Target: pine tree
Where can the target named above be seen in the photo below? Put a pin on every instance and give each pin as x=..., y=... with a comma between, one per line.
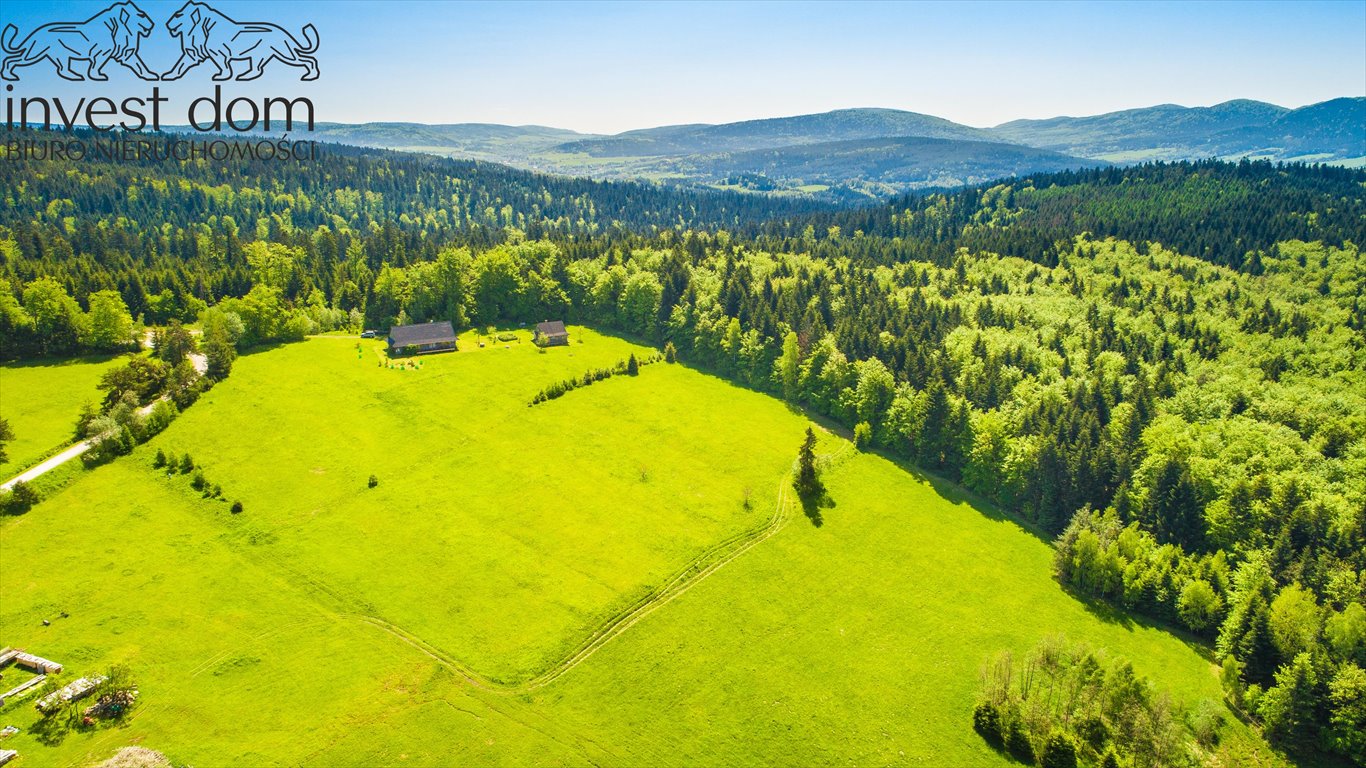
x=1174, y=510
x=934, y=434
x=1059, y=752
x=808, y=479
x=220, y=353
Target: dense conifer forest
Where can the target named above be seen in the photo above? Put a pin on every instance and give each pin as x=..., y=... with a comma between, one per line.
x=1162, y=366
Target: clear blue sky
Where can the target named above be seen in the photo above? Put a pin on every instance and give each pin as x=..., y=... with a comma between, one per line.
x=607, y=67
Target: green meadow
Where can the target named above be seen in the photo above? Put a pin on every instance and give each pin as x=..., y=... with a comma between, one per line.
x=41, y=400
x=614, y=577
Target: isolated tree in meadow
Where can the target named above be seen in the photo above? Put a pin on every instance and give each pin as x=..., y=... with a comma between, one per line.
x=670, y=353
x=808, y=479
x=632, y=367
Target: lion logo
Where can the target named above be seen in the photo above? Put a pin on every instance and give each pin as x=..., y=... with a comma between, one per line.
x=113, y=34
x=208, y=35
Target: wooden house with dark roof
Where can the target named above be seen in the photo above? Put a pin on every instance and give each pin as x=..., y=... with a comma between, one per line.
x=422, y=339
x=551, y=334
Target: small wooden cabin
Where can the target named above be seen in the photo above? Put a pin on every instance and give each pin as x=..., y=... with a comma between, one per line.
x=551, y=333
x=422, y=339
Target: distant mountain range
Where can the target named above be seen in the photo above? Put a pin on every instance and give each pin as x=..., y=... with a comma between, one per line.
x=840, y=125
x=873, y=152
x=1331, y=131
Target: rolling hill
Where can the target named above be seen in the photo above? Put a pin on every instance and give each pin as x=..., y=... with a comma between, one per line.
x=1328, y=131
x=852, y=154
x=893, y=164
x=839, y=125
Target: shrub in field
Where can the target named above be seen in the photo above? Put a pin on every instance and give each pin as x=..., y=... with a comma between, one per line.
x=19, y=499
x=1018, y=744
x=236, y=507
x=374, y=481
x=631, y=366
x=986, y=720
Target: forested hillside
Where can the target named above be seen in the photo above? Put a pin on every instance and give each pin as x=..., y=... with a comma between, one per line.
x=144, y=228
x=1165, y=366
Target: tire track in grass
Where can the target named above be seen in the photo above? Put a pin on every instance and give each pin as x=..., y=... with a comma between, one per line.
x=216, y=658
x=690, y=576
x=699, y=568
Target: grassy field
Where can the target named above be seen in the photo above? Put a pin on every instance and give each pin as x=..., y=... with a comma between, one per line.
x=41, y=401
x=425, y=621
x=532, y=524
